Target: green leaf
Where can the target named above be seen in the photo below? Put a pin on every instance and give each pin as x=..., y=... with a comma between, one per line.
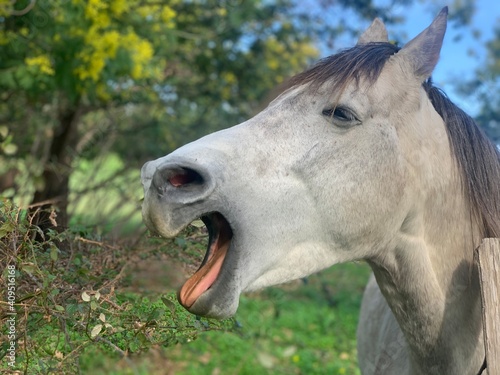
x=142, y=338
x=181, y=241
x=85, y=297
x=169, y=304
x=133, y=346
x=7, y=228
x=28, y=268
x=156, y=314
x=54, y=252
x=71, y=309
x=24, y=79
x=7, y=79
x=4, y=131
x=9, y=149
x=95, y=331
x=198, y=224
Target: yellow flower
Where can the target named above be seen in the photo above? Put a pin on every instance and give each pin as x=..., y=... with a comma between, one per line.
x=118, y=7
x=96, y=65
x=95, y=8
x=147, y=11
x=42, y=62
x=229, y=77
x=141, y=52
x=110, y=42
x=102, y=20
x=222, y=12
x=6, y=7
x=102, y=45
x=167, y=16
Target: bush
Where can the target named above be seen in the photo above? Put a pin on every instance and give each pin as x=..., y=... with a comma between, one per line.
x=67, y=303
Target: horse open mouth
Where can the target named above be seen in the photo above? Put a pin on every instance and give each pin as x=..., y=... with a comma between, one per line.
x=219, y=240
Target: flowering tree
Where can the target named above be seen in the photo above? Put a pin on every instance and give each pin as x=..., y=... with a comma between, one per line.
x=65, y=60
x=62, y=59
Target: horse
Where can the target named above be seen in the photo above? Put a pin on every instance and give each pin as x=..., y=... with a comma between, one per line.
x=361, y=158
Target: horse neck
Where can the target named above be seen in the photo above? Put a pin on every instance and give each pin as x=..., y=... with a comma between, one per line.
x=430, y=282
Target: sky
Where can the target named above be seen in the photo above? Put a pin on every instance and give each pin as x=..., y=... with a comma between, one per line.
x=456, y=63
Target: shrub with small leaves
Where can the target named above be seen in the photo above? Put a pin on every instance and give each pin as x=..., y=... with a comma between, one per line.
x=69, y=301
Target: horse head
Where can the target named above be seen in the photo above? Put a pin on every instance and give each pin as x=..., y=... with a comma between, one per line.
x=327, y=173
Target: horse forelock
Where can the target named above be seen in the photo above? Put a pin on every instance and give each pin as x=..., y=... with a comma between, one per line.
x=353, y=64
x=478, y=159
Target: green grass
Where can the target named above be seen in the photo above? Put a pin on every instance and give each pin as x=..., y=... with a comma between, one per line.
x=301, y=328
x=309, y=329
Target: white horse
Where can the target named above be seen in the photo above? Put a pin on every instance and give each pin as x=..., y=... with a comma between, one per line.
x=360, y=159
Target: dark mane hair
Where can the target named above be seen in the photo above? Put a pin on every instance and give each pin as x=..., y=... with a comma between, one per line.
x=477, y=157
x=365, y=60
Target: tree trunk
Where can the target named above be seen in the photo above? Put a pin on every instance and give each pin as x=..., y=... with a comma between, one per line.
x=57, y=170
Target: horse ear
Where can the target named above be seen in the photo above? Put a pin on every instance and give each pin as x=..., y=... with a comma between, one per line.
x=375, y=33
x=422, y=52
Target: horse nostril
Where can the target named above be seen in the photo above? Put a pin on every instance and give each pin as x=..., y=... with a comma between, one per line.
x=176, y=182
x=184, y=176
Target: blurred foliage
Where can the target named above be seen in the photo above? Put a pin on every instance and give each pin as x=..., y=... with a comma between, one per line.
x=71, y=299
x=485, y=88
x=74, y=48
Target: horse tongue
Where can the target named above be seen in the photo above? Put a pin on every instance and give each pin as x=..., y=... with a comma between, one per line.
x=204, y=277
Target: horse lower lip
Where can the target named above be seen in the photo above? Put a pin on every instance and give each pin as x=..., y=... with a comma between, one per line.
x=220, y=235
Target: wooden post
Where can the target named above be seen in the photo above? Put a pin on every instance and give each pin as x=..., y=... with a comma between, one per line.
x=487, y=256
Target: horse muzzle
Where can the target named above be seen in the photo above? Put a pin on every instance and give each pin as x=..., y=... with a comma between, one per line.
x=178, y=191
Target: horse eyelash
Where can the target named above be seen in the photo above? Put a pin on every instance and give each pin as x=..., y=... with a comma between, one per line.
x=340, y=113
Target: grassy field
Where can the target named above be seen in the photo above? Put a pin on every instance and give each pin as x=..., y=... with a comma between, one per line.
x=305, y=327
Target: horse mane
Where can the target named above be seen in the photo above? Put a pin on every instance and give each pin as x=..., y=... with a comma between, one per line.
x=361, y=61
x=477, y=157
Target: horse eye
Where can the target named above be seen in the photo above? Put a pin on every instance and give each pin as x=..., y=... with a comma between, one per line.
x=340, y=114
